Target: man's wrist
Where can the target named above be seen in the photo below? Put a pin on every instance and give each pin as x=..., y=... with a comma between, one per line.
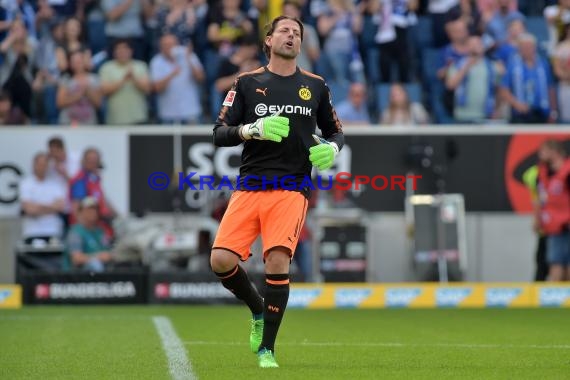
x=244, y=136
x=335, y=147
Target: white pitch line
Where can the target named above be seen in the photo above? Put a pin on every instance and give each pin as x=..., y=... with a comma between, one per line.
x=178, y=363
x=392, y=344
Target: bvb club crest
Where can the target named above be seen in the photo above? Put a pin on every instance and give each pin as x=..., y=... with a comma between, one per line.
x=305, y=93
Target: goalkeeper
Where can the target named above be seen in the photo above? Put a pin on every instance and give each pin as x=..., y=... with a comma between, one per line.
x=274, y=112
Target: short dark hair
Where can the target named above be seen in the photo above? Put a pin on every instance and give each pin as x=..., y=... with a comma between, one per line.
x=555, y=146
x=271, y=28
x=56, y=142
x=121, y=41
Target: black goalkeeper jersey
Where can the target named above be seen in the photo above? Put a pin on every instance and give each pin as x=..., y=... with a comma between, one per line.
x=304, y=98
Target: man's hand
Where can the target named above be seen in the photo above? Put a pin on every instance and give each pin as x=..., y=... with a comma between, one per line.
x=521, y=107
x=272, y=128
x=322, y=155
x=104, y=257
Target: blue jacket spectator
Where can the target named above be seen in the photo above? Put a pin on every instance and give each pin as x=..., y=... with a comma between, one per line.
x=354, y=109
x=528, y=85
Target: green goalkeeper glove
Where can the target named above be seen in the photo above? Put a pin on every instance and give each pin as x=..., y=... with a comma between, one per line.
x=322, y=155
x=272, y=128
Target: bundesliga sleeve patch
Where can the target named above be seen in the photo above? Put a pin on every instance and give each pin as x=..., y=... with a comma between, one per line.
x=229, y=100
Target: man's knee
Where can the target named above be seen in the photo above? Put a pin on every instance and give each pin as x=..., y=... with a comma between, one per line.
x=222, y=261
x=277, y=261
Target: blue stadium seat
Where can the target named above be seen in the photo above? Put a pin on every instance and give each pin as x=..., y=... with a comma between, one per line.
x=339, y=92
x=431, y=59
x=414, y=91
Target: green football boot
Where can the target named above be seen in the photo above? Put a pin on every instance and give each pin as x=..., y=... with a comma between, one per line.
x=266, y=359
x=256, y=334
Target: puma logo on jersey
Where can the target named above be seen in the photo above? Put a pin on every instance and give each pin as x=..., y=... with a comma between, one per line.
x=274, y=309
x=261, y=91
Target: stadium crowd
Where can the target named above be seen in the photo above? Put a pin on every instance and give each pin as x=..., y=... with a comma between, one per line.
x=63, y=202
x=84, y=62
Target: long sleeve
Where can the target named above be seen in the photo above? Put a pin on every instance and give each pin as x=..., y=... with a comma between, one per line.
x=226, y=129
x=328, y=121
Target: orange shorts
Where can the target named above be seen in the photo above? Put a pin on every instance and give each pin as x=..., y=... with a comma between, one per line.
x=278, y=215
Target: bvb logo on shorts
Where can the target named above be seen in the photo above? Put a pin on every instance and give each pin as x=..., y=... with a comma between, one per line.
x=305, y=93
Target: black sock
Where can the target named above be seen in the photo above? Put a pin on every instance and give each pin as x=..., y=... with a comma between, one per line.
x=237, y=282
x=276, y=297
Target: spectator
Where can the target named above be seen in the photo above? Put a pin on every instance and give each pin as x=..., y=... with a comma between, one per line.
x=125, y=82
x=16, y=44
x=561, y=66
x=310, y=48
x=402, y=112
x=87, y=183
x=474, y=81
x=497, y=26
x=45, y=17
x=70, y=8
x=226, y=25
x=261, y=12
x=24, y=11
x=505, y=51
x=78, y=94
x=397, y=16
x=42, y=200
x=458, y=47
x=10, y=114
x=530, y=179
x=176, y=73
x=63, y=166
x=337, y=27
x=87, y=244
x=367, y=40
x=527, y=85
x=243, y=60
x=47, y=76
x=178, y=17
x=124, y=20
x=470, y=13
x=552, y=215
x=354, y=109
x=557, y=16
x=73, y=40
x=439, y=11
x=19, y=85
x=489, y=7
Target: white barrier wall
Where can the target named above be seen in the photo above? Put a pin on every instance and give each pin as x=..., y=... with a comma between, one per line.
x=18, y=147
x=500, y=245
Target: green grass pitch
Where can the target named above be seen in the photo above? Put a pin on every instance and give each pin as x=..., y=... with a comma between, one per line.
x=121, y=342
